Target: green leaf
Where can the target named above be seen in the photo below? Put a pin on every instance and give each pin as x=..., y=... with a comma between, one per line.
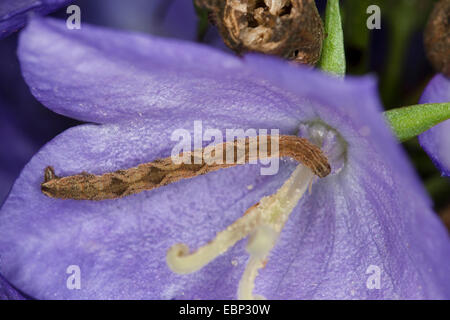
x=333, y=55
x=408, y=122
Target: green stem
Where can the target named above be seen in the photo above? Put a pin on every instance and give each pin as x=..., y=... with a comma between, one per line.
x=333, y=54
x=398, y=44
x=408, y=122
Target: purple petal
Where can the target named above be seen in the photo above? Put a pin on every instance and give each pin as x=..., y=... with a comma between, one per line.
x=373, y=213
x=7, y=292
x=436, y=141
x=120, y=245
x=13, y=13
x=99, y=75
x=362, y=216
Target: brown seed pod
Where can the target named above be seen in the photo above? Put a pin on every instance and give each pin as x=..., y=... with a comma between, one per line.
x=291, y=29
x=437, y=37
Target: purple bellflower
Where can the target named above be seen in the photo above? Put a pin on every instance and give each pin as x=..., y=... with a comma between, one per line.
x=436, y=141
x=365, y=231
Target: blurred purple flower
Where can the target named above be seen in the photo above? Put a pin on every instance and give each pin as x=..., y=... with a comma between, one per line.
x=13, y=13
x=15, y=150
x=167, y=18
x=372, y=215
x=436, y=141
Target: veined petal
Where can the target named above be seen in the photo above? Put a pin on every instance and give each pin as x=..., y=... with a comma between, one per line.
x=358, y=226
x=436, y=141
x=100, y=75
x=340, y=104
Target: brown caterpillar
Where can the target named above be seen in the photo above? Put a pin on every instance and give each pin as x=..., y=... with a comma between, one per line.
x=162, y=172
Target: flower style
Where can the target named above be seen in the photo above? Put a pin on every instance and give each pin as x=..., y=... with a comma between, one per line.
x=370, y=213
x=436, y=141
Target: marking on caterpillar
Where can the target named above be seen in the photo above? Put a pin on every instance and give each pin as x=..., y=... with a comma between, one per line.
x=161, y=172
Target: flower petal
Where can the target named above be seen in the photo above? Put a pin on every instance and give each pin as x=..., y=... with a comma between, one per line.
x=99, y=75
x=361, y=218
x=13, y=13
x=436, y=141
x=7, y=292
x=351, y=106
x=120, y=245
x=358, y=226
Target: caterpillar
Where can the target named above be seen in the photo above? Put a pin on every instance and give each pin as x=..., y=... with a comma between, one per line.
x=161, y=172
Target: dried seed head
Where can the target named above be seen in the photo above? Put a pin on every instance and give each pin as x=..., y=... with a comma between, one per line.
x=291, y=29
x=437, y=37
x=205, y=4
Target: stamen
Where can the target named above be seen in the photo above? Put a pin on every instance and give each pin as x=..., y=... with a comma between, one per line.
x=263, y=222
x=259, y=245
x=247, y=282
x=162, y=172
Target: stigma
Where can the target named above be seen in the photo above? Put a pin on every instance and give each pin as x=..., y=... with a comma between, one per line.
x=262, y=224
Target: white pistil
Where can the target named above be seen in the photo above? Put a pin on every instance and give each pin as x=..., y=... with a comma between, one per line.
x=263, y=222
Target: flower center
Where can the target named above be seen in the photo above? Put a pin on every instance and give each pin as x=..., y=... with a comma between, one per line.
x=263, y=222
x=331, y=143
